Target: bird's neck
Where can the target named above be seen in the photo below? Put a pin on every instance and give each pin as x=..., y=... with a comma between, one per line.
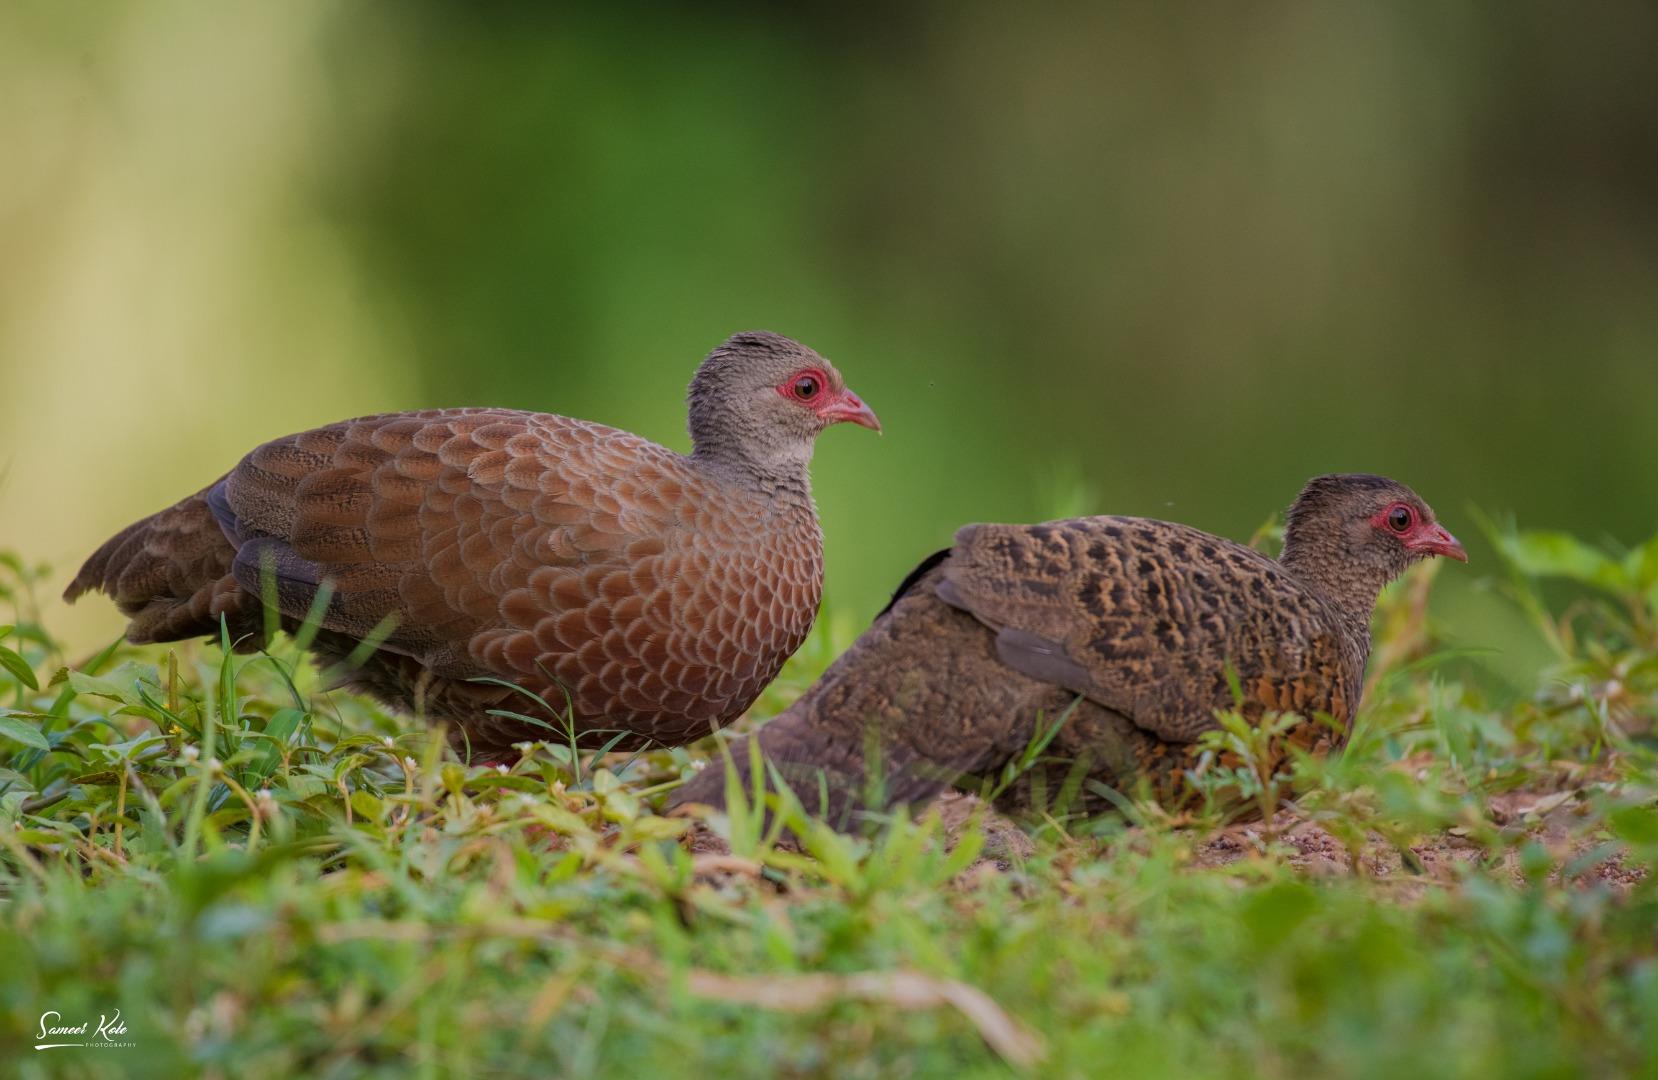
x=734, y=445
x=784, y=478
x=1351, y=590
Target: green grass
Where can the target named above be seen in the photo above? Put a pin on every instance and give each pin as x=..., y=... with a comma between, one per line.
x=270, y=880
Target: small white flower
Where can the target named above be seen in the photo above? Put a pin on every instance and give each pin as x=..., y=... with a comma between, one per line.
x=502, y=769
x=409, y=763
x=190, y=754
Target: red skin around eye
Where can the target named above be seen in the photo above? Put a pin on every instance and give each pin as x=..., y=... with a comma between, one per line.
x=1422, y=537
x=1381, y=522
x=788, y=388
x=832, y=406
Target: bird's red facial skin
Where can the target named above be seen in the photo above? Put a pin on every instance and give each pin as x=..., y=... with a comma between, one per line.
x=1419, y=536
x=811, y=387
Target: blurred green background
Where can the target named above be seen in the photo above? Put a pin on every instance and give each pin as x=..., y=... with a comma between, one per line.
x=1155, y=259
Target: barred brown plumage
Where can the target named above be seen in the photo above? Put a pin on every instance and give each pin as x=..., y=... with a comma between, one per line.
x=1131, y=629
x=646, y=591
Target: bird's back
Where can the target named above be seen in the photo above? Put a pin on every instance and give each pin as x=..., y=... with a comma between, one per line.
x=1153, y=619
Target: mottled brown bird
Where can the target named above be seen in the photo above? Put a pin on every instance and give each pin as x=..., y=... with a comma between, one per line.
x=635, y=589
x=1119, y=631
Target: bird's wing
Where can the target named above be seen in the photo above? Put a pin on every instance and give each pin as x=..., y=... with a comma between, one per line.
x=1144, y=617
x=464, y=531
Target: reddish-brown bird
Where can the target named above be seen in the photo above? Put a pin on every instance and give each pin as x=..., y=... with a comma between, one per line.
x=1125, y=628
x=635, y=589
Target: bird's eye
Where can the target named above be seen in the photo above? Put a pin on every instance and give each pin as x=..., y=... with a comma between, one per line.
x=806, y=387
x=1399, y=518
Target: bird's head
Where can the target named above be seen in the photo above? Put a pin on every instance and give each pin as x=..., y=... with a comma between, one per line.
x=763, y=398
x=1367, y=527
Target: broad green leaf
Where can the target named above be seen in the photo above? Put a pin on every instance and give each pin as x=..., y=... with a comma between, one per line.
x=453, y=778
x=97, y=686
x=487, y=782
x=305, y=787
x=367, y=806
x=1557, y=554
x=619, y=804
x=1637, y=825
x=1641, y=565
x=280, y=728
x=19, y=667
x=1275, y=912
x=652, y=827
x=40, y=838
x=129, y=749
x=22, y=731
x=560, y=820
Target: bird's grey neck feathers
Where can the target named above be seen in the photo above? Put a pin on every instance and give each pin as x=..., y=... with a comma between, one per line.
x=783, y=471
x=731, y=433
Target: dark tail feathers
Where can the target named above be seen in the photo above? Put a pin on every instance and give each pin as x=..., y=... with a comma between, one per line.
x=169, y=573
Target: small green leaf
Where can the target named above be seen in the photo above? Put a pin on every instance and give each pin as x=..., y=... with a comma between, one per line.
x=1636, y=825
x=1641, y=565
x=279, y=728
x=453, y=778
x=1276, y=912
x=94, y=686
x=23, y=732
x=367, y=806
x=1557, y=554
x=19, y=667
